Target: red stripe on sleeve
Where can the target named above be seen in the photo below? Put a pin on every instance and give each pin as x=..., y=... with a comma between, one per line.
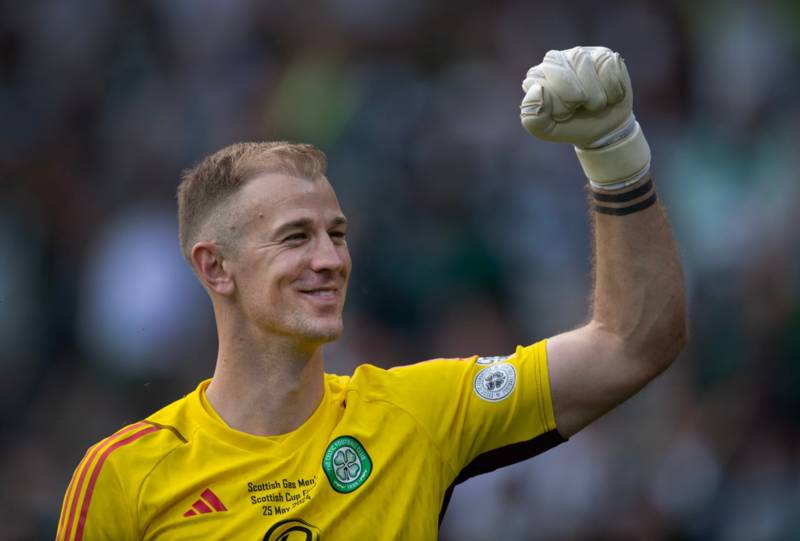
x=211, y=498
x=96, y=474
x=62, y=520
x=87, y=464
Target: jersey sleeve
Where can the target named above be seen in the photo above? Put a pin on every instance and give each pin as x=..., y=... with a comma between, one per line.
x=97, y=506
x=482, y=412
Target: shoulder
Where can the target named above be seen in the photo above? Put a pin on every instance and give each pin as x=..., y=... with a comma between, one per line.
x=446, y=376
x=178, y=420
x=133, y=451
x=108, y=478
x=101, y=499
x=404, y=382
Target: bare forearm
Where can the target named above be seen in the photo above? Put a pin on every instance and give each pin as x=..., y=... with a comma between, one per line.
x=639, y=292
x=583, y=96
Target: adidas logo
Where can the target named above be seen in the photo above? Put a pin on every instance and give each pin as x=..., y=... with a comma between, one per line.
x=208, y=503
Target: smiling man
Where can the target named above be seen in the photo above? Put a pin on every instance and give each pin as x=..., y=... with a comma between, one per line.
x=274, y=448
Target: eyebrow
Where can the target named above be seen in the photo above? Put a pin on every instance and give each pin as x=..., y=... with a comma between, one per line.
x=305, y=222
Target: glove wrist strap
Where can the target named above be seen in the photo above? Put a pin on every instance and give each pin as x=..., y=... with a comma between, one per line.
x=625, y=130
x=616, y=160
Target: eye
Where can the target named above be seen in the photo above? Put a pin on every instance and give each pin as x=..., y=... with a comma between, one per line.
x=338, y=235
x=296, y=237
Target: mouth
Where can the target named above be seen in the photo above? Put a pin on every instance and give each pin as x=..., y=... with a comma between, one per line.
x=322, y=294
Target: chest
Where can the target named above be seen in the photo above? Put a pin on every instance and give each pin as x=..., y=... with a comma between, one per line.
x=370, y=475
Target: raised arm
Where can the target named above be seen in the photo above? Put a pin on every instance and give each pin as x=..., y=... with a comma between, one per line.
x=637, y=328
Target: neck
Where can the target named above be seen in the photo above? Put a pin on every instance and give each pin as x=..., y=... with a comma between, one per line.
x=265, y=385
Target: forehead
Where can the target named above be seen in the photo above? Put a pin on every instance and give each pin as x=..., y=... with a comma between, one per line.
x=274, y=198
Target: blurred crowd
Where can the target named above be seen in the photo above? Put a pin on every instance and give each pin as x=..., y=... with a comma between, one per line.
x=467, y=235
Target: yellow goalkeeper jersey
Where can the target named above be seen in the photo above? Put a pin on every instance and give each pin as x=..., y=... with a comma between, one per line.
x=376, y=460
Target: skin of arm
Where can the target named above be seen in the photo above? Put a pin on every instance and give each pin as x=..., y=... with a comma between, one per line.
x=638, y=323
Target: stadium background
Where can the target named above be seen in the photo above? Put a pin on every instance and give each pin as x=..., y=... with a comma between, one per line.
x=468, y=236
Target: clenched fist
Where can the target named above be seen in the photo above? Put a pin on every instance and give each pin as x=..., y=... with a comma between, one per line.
x=583, y=96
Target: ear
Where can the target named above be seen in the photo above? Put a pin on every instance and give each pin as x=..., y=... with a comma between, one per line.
x=209, y=264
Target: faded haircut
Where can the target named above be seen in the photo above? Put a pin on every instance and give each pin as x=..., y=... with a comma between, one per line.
x=204, y=187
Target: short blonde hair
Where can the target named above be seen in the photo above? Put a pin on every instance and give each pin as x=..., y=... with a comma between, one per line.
x=218, y=176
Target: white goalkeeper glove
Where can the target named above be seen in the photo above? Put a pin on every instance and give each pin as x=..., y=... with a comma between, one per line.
x=583, y=96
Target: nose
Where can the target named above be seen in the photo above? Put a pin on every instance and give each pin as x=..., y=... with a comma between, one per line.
x=329, y=255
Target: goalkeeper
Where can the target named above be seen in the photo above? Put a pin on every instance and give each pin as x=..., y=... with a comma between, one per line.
x=273, y=448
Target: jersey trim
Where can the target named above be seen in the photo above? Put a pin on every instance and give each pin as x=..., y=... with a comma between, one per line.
x=108, y=446
x=75, y=488
x=502, y=456
x=90, y=489
x=64, y=505
x=168, y=427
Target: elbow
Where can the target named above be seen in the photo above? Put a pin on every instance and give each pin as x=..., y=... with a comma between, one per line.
x=653, y=343
x=650, y=339
x=664, y=342
x=673, y=344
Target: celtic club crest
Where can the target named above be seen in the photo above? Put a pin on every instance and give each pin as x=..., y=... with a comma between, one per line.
x=346, y=463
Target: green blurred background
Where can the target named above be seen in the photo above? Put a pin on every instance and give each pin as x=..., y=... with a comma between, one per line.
x=468, y=236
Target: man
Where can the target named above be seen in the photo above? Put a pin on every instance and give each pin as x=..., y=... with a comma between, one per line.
x=273, y=448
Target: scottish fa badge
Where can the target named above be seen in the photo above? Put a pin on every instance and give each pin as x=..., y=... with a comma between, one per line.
x=495, y=382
